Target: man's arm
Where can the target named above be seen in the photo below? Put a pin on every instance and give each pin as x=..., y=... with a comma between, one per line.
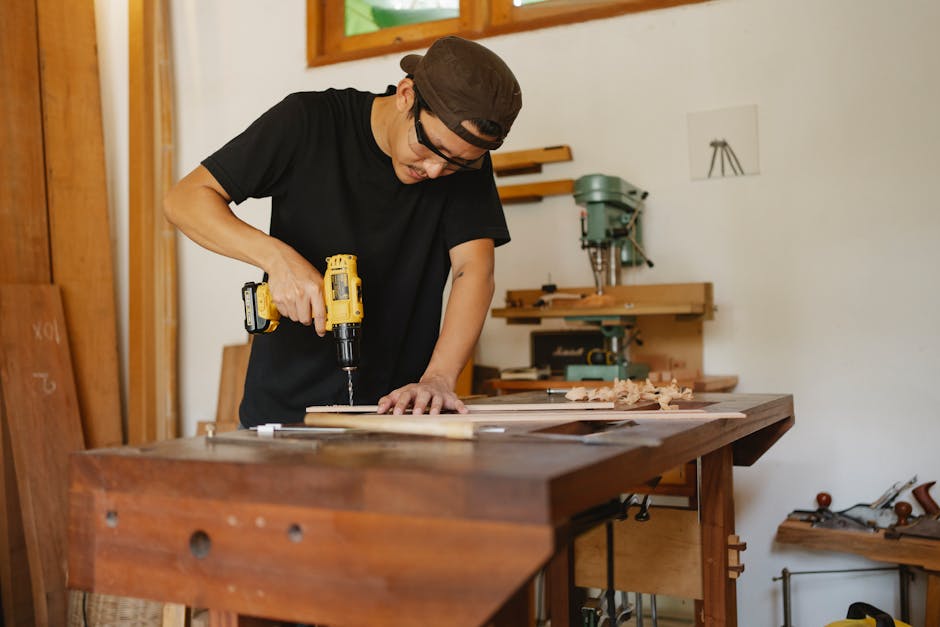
x=470, y=297
x=199, y=207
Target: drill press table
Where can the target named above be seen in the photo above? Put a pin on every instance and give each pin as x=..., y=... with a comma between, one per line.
x=383, y=529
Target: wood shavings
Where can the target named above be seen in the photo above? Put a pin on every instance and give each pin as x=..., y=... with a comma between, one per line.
x=630, y=392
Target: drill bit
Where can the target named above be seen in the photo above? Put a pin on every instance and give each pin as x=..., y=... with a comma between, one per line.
x=349, y=385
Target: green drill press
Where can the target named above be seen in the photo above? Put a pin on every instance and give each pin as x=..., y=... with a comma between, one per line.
x=611, y=234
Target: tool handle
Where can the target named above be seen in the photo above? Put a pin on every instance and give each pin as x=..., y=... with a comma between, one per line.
x=922, y=494
x=903, y=509
x=824, y=500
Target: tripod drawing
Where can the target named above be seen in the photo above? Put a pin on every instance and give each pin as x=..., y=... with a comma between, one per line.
x=727, y=152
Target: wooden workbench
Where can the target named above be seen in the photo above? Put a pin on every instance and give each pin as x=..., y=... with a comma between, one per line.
x=383, y=529
x=912, y=551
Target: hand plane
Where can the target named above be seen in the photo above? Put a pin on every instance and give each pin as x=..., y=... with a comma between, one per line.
x=825, y=518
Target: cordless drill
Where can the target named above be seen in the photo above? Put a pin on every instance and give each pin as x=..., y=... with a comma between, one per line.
x=343, y=296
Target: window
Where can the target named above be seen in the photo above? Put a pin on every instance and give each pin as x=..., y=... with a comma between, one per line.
x=341, y=30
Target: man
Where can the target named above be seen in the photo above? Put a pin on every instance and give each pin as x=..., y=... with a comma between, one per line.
x=404, y=181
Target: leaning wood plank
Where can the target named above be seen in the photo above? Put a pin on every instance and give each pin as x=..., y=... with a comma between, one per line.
x=41, y=408
x=475, y=408
x=24, y=238
x=79, y=224
x=152, y=399
x=15, y=588
x=232, y=384
x=24, y=248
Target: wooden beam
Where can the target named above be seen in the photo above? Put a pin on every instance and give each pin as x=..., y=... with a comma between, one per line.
x=152, y=397
x=534, y=192
x=79, y=224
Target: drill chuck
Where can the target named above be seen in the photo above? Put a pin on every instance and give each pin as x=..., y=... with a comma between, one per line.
x=347, y=344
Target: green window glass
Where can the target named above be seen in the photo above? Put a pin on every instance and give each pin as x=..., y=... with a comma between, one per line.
x=366, y=16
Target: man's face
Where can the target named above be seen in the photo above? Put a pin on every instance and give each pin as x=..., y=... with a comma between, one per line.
x=428, y=149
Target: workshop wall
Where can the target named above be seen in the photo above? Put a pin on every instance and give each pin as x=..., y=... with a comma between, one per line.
x=821, y=264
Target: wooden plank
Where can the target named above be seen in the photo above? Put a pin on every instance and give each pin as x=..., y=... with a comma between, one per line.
x=153, y=394
x=41, y=408
x=476, y=408
x=464, y=426
x=15, y=587
x=24, y=248
x=79, y=224
x=528, y=161
x=232, y=384
x=670, y=539
x=24, y=232
x=909, y=550
x=533, y=192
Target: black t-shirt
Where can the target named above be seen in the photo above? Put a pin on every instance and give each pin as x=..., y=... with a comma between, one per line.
x=334, y=191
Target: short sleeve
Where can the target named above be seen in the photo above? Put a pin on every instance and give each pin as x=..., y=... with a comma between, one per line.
x=473, y=208
x=257, y=163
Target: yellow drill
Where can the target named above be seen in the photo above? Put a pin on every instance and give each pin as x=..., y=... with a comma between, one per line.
x=343, y=295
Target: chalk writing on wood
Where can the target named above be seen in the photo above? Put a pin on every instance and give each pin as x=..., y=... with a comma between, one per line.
x=48, y=384
x=47, y=331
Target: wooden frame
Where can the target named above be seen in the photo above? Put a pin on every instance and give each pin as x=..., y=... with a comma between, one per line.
x=152, y=394
x=327, y=42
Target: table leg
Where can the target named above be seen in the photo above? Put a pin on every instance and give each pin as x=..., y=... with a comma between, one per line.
x=717, y=516
x=932, y=614
x=560, y=582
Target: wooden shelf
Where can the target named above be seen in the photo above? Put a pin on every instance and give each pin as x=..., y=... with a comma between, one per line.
x=534, y=192
x=528, y=161
x=909, y=550
x=692, y=299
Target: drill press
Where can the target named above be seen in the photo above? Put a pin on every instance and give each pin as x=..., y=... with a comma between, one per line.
x=612, y=236
x=610, y=226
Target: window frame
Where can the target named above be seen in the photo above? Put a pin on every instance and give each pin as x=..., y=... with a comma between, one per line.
x=327, y=42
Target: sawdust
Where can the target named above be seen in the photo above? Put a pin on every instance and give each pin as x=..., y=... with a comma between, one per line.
x=630, y=392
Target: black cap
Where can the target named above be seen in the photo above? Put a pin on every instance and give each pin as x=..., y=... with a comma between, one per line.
x=462, y=80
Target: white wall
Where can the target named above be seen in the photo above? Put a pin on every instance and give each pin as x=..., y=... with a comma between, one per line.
x=821, y=264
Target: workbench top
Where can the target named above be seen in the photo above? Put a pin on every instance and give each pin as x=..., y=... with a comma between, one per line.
x=257, y=526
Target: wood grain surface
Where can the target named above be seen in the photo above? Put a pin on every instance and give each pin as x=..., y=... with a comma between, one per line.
x=398, y=516
x=79, y=223
x=41, y=410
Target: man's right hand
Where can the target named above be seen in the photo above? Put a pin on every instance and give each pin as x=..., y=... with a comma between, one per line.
x=198, y=205
x=297, y=288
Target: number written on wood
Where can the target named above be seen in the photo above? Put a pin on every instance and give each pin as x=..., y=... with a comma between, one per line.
x=48, y=384
x=46, y=331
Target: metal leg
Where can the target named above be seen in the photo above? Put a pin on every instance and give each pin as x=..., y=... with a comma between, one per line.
x=639, y=609
x=905, y=576
x=654, y=619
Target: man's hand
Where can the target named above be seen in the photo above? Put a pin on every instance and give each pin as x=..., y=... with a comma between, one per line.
x=431, y=394
x=297, y=289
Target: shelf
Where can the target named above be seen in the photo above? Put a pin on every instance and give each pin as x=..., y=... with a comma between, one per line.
x=528, y=161
x=618, y=301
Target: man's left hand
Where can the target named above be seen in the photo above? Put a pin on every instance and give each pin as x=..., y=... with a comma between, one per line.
x=430, y=395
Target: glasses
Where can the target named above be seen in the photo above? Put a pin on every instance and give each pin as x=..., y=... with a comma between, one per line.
x=451, y=164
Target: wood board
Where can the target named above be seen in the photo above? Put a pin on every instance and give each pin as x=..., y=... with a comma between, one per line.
x=475, y=408
x=77, y=196
x=41, y=409
x=465, y=426
x=671, y=539
x=24, y=248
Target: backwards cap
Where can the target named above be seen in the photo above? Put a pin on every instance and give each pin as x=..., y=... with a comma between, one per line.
x=462, y=80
